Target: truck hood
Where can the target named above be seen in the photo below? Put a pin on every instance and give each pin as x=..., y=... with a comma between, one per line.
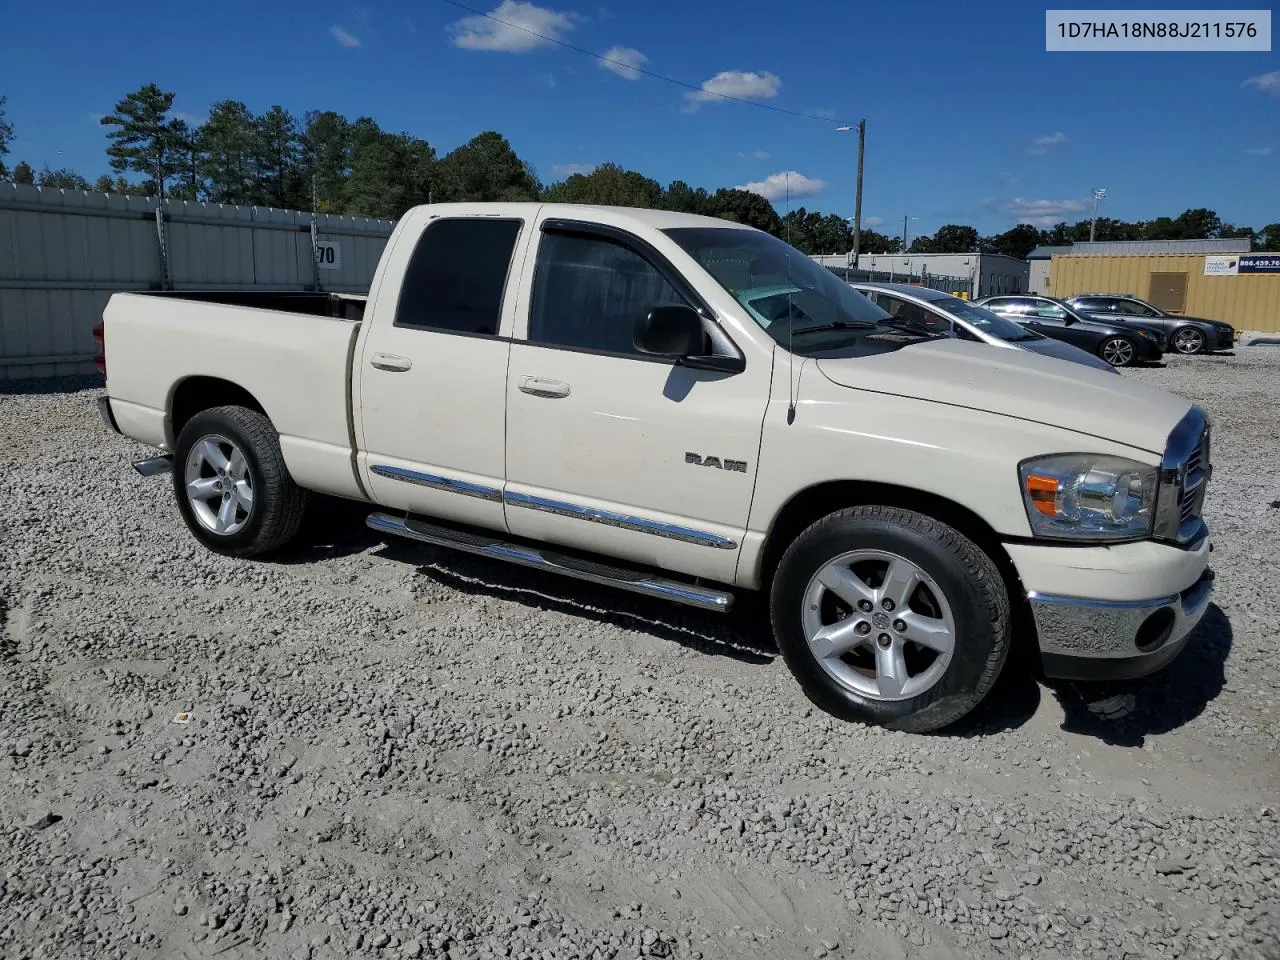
x=1016, y=383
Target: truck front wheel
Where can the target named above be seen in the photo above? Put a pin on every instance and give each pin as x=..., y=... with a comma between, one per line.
x=232, y=486
x=888, y=616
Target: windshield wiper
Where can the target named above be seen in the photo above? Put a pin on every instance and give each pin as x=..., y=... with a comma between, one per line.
x=834, y=325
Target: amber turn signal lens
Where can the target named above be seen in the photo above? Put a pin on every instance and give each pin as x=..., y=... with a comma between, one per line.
x=1043, y=492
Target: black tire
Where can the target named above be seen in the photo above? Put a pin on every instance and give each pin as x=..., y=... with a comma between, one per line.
x=1188, y=341
x=969, y=580
x=278, y=502
x=1119, y=351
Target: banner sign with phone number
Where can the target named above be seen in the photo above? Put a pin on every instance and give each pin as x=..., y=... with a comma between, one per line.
x=1244, y=263
x=1260, y=263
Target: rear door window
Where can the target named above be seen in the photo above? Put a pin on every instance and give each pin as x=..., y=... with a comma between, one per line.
x=1093, y=304
x=457, y=276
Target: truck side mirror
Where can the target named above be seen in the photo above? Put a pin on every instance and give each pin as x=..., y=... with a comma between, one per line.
x=671, y=330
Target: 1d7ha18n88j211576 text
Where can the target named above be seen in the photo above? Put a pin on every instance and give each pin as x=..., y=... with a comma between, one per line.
x=1136, y=30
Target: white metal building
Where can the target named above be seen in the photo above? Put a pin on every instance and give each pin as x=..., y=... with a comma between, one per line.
x=989, y=274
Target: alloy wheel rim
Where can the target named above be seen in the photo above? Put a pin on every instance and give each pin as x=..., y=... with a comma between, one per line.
x=878, y=625
x=1117, y=352
x=219, y=485
x=1187, y=341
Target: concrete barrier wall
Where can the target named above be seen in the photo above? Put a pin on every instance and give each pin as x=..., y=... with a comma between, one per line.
x=64, y=252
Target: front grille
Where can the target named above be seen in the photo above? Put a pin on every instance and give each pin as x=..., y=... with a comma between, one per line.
x=1184, y=476
x=1194, y=480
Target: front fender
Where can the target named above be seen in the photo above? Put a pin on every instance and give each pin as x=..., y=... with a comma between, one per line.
x=965, y=456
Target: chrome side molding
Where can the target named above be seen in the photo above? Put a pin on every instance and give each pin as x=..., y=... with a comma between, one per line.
x=634, y=581
x=669, y=531
x=437, y=482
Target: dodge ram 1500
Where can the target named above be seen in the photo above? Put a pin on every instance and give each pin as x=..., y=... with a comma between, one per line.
x=689, y=408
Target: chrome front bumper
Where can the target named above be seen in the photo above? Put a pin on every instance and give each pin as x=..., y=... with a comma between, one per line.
x=1084, y=639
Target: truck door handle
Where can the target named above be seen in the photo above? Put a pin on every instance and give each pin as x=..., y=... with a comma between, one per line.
x=390, y=361
x=541, y=387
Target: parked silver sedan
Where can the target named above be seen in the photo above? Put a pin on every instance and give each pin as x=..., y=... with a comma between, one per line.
x=944, y=313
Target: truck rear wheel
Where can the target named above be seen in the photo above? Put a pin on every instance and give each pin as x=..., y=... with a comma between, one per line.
x=890, y=617
x=233, y=489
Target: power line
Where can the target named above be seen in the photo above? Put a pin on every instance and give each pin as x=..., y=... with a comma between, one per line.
x=648, y=73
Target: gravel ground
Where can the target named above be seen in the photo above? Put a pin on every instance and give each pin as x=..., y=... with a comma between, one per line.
x=392, y=751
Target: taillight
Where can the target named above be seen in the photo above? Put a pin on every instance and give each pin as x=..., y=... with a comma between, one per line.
x=99, y=334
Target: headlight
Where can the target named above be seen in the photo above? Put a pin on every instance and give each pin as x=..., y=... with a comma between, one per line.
x=1088, y=496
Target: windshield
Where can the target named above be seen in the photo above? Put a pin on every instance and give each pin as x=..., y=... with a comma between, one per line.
x=785, y=292
x=985, y=320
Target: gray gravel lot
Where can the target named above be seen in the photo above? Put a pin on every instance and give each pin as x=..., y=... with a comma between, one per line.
x=397, y=752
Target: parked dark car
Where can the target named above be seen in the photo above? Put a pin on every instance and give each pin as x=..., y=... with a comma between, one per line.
x=1187, y=335
x=939, y=311
x=1120, y=344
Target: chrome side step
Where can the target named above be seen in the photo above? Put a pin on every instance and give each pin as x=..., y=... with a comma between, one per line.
x=153, y=466
x=540, y=558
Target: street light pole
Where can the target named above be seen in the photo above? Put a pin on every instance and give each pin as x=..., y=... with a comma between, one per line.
x=857, y=203
x=904, y=233
x=1098, y=194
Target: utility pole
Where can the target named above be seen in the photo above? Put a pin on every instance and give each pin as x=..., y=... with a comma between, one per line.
x=904, y=233
x=857, y=203
x=1098, y=194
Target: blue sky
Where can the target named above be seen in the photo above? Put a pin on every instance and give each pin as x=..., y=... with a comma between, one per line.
x=969, y=120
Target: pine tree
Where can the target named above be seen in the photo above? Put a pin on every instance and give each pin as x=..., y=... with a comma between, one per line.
x=145, y=140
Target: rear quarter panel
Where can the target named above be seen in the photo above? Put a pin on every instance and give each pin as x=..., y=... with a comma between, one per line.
x=295, y=366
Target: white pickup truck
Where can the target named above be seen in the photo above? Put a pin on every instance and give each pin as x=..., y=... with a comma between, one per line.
x=687, y=408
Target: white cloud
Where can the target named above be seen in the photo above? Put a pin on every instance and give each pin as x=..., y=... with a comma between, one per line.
x=775, y=186
x=1041, y=145
x=569, y=169
x=343, y=37
x=873, y=221
x=623, y=61
x=1259, y=151
x=1041, y=213
x=739, y=84
x=515, y=30
x=1266, y=82
x=754, y=154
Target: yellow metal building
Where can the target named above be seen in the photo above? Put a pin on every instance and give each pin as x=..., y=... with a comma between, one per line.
x=1174, y=282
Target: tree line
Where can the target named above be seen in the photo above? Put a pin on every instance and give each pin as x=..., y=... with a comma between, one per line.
x=355, y=167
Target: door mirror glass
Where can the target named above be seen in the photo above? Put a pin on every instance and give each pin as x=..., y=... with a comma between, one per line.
x=671, y=330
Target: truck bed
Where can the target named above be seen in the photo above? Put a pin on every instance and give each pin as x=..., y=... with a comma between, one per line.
x=292, y=352
x=341, y=306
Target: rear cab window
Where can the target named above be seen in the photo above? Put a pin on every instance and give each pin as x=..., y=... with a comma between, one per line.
x=457, y=276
